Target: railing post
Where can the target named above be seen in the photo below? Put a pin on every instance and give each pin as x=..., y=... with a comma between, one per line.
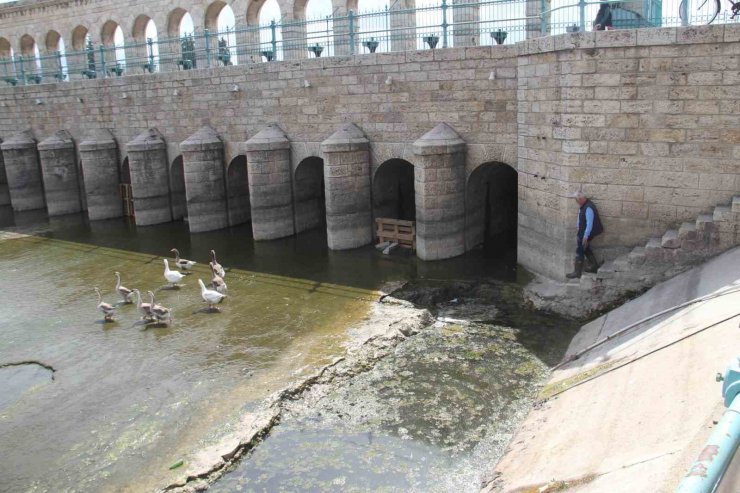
x=59, y=65
x=444, y=24
x=102, y=61
x=543, y=24
x=23, y=70
x=273, y=38
x=684, y=12
x=351, y=19
x=208, y=48
x=150, y=48
x=582, y=14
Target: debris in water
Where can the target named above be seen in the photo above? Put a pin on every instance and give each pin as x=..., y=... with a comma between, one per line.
x=177, y=464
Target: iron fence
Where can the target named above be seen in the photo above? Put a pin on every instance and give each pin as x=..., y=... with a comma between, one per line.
x=441, y=25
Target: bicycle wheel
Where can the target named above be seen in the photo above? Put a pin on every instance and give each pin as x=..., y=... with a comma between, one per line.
x=704, y=14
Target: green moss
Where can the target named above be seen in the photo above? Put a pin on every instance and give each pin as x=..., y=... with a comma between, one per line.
x=554, y=388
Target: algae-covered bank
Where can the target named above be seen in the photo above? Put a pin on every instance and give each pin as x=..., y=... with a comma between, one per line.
x=310, y=378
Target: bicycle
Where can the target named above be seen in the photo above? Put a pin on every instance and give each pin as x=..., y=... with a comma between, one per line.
x=683, y=10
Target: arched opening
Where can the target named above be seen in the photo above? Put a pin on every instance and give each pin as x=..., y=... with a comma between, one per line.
x=393, y=190
x=112, y=36
x=30, y=51
x=145, y=35
x=177, y=189
x=220, y=19
x=79, y=38
x=374, y=30
x=55, y=46
x=491, y=208
x=310, y=197
x=319, y=24
x=126, y=195
x=270, y=12
x=237, y=187
x=7, y=67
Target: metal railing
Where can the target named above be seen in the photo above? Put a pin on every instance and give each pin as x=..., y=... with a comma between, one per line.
x=442, y=25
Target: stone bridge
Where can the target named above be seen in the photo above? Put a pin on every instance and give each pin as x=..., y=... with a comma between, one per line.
x=644, y=121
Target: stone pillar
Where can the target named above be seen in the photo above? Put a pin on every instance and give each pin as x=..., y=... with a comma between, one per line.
x=4, y=192
x=99, y=159
x=403, y=19
x=147, y=159
x=347, y=184
x=23, y=172
x=205, y=185
x=440, y=194
x=270, y=188
x=59, y=169
x=465, y=18
x=534, y=20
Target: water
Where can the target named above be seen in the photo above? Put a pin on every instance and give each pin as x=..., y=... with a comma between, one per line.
x=433, y=416
x=127, y=400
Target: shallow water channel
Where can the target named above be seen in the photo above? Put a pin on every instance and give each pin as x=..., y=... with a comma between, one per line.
x=127, y=400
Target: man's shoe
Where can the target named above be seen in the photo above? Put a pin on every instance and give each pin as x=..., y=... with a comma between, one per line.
x=593, y=264
x=577, y=270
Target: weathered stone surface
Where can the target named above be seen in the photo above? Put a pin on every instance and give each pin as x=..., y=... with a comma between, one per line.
x=270, y=188
x=59, y=171
x=205, y=187
x=23, y=172
x=347, y=178
x=147, y=155
x=101, y=174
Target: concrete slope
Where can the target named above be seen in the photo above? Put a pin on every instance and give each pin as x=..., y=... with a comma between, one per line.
x=631, y=415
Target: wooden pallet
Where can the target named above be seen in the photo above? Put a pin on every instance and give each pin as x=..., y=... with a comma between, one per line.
x=128, y=199
x=396, y=230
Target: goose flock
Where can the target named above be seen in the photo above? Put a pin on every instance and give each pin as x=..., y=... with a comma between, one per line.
x=152, y=312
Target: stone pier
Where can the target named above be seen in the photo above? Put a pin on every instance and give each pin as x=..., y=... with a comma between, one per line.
x=23, y=172
x=59, y=170
x=270, y=186
x=99, y=160
x=205, y=187
x=147, y=157
x=440, y=194
x=347, y=183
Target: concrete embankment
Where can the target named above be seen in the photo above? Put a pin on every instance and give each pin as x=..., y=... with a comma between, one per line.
x=631, y=414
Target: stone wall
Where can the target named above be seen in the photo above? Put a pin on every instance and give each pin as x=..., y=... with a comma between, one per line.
x=645, y=121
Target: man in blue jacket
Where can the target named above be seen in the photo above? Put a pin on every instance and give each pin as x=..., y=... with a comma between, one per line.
x=589, y=227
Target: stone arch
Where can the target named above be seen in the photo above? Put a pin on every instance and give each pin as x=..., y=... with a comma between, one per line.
x=125, y=172
x=79, y=38
x=309, y=193
x=138, y=31
x=178, y=198
x=237, y=189
x=253, y=12
x=393, y=190
x=173, y=22
x=491, y=208
x=212, y=13
x=27, y=45
x=107, y=33
x=51, y=43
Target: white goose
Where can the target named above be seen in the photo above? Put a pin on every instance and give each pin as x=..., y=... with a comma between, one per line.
x=217, y=282
x=161, y=313
x=172, y=276
x=107, y=309
x=210, y=296
x=144, y=308
x=126, y=293
x=182, y=263
x=217, y=268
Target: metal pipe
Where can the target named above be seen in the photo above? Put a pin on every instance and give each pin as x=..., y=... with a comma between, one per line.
x=707, y=471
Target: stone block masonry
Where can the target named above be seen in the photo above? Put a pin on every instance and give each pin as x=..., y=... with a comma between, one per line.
x=644, y=121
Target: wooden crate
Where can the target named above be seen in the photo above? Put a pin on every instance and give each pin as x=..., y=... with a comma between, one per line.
x=396, y=230
x=128, y=199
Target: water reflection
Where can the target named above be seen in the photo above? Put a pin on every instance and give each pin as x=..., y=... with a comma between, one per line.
x=305, y=255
